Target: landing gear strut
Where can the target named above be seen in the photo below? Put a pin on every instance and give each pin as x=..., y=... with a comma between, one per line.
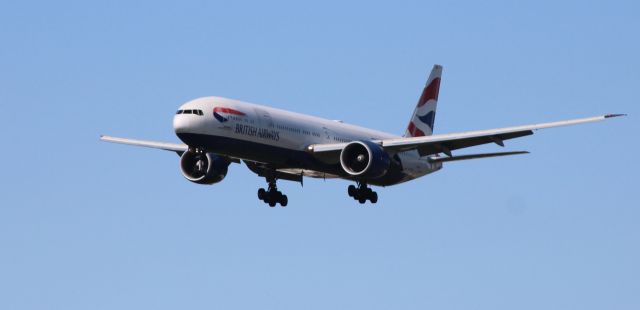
x=362, y=193
x=272, y=195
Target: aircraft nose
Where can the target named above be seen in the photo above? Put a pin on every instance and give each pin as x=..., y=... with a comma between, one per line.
x=180, y=123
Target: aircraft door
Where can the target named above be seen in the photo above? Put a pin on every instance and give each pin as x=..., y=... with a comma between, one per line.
x=264, y=118
x=326, y=134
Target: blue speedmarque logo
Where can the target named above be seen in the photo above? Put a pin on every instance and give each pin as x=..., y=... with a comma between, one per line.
x=428, y=119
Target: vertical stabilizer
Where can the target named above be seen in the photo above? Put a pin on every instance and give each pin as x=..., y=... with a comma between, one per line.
x=424, y=115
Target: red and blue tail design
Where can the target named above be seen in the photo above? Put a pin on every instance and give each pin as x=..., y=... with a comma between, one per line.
x=424, y=115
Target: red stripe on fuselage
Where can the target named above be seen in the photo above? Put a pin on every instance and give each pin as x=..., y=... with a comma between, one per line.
x=227, y=110
x=430, y=92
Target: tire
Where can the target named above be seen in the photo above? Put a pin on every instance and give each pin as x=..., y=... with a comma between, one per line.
x=284, y=200
x=351, y=190
x=356, y=195
x=272, y=203
x=362, y=200
x=373, y=197
x=261, y=194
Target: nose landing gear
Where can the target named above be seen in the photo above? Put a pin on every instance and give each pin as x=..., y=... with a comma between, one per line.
x=362, y=193
x=272, y=195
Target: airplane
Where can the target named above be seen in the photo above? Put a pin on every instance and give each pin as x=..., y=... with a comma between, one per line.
x=281, y=145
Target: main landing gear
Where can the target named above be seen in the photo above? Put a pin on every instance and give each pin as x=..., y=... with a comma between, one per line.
x=362, y=193
x=272, y=196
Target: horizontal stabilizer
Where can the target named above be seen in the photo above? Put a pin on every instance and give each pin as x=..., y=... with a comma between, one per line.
x=473, y=156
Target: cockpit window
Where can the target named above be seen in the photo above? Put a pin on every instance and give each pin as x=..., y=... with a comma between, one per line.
x=196, y=112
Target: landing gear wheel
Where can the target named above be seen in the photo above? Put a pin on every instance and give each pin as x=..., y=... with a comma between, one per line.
x=373, y=197
x=362, y=193
x=351, y=190
x=272, y=195
x=277, y=196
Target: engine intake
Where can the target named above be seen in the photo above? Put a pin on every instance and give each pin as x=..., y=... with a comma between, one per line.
x=364, y=159
x=203, y=168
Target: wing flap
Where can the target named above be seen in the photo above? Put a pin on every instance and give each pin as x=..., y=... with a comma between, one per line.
x=473, y=156
x=448, y=146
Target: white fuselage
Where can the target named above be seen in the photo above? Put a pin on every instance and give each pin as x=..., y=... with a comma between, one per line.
x=279, y=138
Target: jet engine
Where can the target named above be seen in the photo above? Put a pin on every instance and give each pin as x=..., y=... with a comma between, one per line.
x=203, y=168
x=364, y=159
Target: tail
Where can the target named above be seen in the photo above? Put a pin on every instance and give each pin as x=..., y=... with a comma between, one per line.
x=424, y=115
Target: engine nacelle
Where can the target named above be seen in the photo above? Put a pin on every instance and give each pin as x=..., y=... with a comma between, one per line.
x=364, y=159
x=203, y=168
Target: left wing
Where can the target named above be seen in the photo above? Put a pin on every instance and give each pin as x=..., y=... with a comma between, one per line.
x=446, y=143
x=444, y=159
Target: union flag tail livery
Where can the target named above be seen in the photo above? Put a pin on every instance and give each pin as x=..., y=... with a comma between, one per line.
x=424, y=115
x=281, y=145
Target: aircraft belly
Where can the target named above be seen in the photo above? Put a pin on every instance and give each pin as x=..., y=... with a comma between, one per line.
x=285, y=150
x=250, y=149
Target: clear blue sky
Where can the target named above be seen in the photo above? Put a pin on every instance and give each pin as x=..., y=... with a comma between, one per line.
x=90, y=225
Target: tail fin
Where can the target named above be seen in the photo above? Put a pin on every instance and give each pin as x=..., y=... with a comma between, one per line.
x=424, y=115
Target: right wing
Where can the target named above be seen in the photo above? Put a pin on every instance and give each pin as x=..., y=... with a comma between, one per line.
x=174, y=147
x=178, y=148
